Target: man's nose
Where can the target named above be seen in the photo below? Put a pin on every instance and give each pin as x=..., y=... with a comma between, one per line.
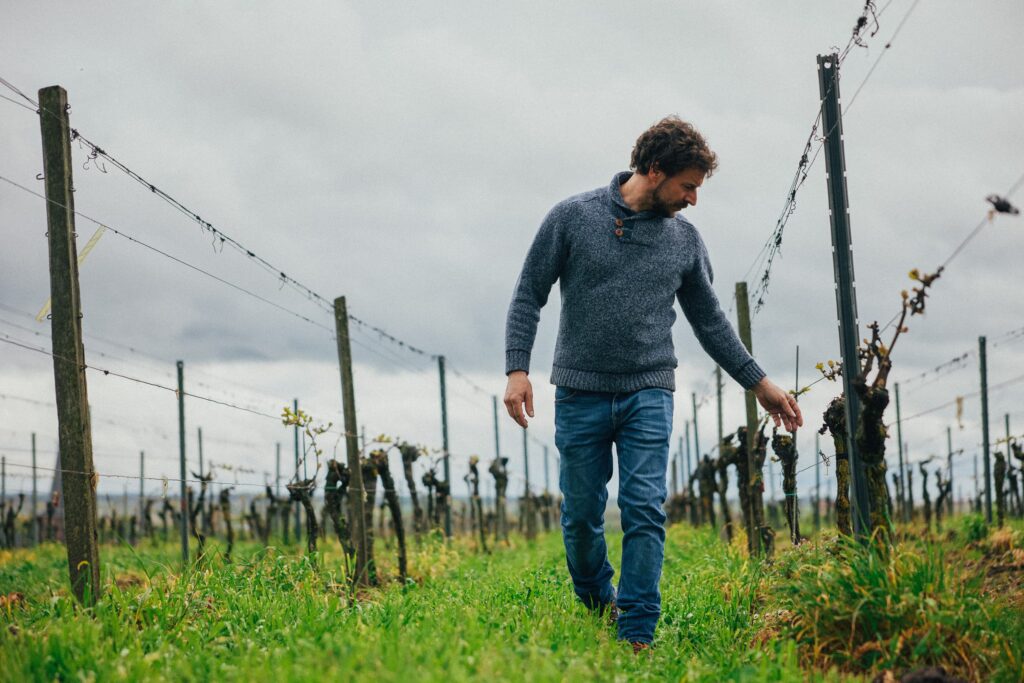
x=693, y=198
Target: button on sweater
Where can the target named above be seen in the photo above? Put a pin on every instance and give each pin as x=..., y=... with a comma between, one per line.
x=620, y=273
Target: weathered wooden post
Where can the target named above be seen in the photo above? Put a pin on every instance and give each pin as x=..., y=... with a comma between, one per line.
x=756, y=477
x=78, y=479
x=277, y=495
x=357, y=497
x=949, y=466
x=718, y=392
x=35, y=498
x=142, y=490
x=817, y=481
x=444, y=446
x=497, y=440
x=296, y=504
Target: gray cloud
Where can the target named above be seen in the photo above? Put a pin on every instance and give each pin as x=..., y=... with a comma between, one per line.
x=404, y=156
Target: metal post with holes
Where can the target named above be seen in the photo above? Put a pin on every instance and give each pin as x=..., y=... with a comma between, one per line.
x=696, y=440
x=181, y=461
x=986, y=455
x=846, y=295
x=901, y=493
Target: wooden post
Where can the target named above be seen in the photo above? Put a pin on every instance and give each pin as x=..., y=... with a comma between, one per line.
x=689, y=467
x=202, y=473
x=497, y=442
x=296, y=504
x=977, y=491
x=984, y=429
x=78, y=479
x=547, y=475
x=949, y=468
x=682, y=472
x=142, y=489
x=277, y=494
x=696, y=440
x=526, y=509
x=357, y=491
x=444, y=446
x=817, y=481
x=35, y=498
x=718, y=391
x=181, y=460
x=743, y=317
x=526, y=463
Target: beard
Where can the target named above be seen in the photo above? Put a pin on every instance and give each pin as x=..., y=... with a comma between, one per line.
x=663, y=206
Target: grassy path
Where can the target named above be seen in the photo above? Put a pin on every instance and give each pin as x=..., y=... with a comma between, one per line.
x=507, y=616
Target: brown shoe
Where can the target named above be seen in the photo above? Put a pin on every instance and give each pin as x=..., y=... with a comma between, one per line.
x=640, y=647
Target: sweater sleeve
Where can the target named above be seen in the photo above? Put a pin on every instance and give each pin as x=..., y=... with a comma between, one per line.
x=543, y=265
x=715, y=334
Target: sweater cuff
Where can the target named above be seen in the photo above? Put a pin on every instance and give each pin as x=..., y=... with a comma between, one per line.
x=517, y=359
x=749, y=375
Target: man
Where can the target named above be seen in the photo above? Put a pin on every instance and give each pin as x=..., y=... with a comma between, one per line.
x=623, y=257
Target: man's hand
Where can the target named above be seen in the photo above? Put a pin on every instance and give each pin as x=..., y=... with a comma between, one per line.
x=781, y=405
x=519, y=393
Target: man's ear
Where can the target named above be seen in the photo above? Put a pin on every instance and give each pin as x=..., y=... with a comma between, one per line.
x=655, y=174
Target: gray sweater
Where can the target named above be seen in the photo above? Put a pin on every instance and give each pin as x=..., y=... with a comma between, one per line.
x=620, y=273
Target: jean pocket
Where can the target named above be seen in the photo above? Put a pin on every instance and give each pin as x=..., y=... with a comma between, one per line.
x=564, y=394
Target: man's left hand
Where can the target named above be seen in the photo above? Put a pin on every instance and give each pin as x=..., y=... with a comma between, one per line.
x=780, y=404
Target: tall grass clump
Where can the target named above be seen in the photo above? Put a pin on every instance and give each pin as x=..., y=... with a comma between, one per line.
x=862, y=609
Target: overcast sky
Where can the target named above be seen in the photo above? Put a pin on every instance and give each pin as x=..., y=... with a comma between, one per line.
x=403, y=155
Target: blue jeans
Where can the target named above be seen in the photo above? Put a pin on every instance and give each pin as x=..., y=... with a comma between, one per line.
x=639, y=423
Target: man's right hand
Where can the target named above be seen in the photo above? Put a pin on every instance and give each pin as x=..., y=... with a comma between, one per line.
x=519, y=397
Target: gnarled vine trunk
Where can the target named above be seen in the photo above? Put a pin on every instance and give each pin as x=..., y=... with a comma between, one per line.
x=871, y=435
x=726, y=457
x=335, y=490
x=785, y=449
x=409, y=455
x=225, y=511
x=302, y=492
x=835, y=424
x=500, y=474
x=380, y=461
x=999, y=472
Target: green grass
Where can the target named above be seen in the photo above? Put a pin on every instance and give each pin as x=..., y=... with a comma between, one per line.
x=512, y=615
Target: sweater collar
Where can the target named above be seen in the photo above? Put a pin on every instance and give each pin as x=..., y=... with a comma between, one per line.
x=615, y=188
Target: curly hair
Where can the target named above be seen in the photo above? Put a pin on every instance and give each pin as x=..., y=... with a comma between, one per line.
x=670, y=146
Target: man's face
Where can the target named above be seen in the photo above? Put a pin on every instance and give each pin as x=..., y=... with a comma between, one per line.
x=674, y=193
